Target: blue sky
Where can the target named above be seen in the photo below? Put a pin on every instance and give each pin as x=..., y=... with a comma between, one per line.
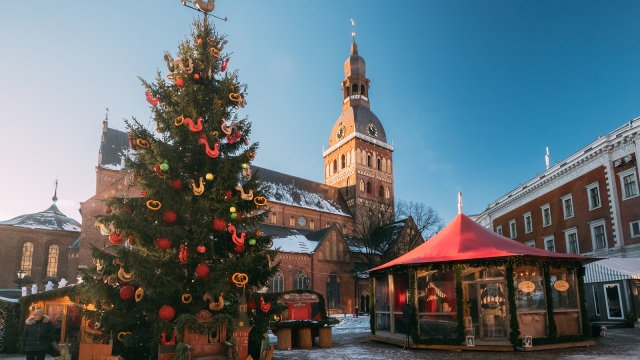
x=470, y=92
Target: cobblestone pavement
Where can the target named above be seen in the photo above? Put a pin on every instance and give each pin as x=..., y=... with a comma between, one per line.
x=620, y=344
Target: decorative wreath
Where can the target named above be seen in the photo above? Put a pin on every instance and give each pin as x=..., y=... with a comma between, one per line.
x=240, y=279
x=154, y=205
x=260, y=200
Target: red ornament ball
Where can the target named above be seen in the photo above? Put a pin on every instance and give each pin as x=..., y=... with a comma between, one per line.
x=169, y=216
x=196, y=76
x=116, y=239
x=251, y=305
x=201, y=249
x=228, y=195
x=219, y=224
x=167, y=313
x=176, y=184
x=108, y=210
x=238, y=135
x=144, y=194
x=163, y=243
x=202, y=271
x=127, y=293
x=180, y=82
x=238, y=248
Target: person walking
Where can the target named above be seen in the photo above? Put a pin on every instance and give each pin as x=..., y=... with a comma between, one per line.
x=37, y=336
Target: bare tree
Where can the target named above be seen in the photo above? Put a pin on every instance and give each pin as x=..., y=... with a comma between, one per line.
x=367, y=240
x=426, y=219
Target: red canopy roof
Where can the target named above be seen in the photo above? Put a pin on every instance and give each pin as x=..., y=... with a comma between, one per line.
x=464, y=239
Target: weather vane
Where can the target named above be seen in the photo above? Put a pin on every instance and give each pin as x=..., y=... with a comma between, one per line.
x=203, y=6
x=353, y=33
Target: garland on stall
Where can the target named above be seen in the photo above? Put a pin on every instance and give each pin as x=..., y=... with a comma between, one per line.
x=9, y=335
x=514, y=334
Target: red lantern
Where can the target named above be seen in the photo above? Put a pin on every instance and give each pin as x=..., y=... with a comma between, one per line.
x=163, y=243
x=180, y=82
x=116, y=238
x=202, y=271
x=127, y=293
x=169, y=216
x=228, y=195
x=238, y=248
x=176, y=184
x=167, y=313
x=108, y=210
x=219, y=224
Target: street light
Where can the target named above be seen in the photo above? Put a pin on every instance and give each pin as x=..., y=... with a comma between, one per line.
x=21, y=274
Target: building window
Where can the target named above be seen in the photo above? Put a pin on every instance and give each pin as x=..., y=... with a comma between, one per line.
x=312, y=224
x=629, y=183
x=344, y=161
x=531, y=243
x=528, y=225
x=512, y=229
x=549, y=244
x=614, y=301
x=328, y=224
x=299, y=282
x=567, y=206
x=52, y=260
x=368, y=160
x=379, y=164
x=571, y=237
x=292, y=221
x=335, y=166
x=274, y=218
x=361, y=185
x=594, y=196
x=546, y=215
x=598, y=235
x=596, y=299
x=635, y=229
x=381, y=191
x=277, y=283
x=499, y=229
x=27, y=258
x=369, y=187
x=333, y=292
x=387, y=192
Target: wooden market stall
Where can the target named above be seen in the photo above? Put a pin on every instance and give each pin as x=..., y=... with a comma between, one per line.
x=470, y=288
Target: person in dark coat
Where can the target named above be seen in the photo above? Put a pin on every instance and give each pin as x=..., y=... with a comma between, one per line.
x=37, y=336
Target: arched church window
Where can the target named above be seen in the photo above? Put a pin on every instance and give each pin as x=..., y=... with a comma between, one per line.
x=380, y=191
x=333, y=292
x=274, y=218
x=299, y=280
x=277, y=283
x=354, y=89
x=343, y=159
x=27, y=258
x=52, y=260
x=387, y=193
x=335, y=166
x=389, y=165
x=361, y=185
x=368, y=187
x=379, y=164
x=362, y=90
x=312, y=224
x=368, y=160
x=348, y=158
x=384, y=165
x=292, y=221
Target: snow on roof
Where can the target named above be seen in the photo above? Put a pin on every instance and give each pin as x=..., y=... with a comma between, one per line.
x=295, y=191
x=113, y=144
x=291, y=240
x=50, y=219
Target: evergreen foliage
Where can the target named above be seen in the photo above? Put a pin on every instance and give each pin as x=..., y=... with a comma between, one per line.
x=197, y=89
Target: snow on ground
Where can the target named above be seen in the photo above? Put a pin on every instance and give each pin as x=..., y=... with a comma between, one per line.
x=347, y=325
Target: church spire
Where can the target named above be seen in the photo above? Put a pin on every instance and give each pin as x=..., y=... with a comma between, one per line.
x=55, y=192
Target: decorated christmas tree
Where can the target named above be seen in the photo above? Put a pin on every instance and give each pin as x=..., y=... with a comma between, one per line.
x=187, y=250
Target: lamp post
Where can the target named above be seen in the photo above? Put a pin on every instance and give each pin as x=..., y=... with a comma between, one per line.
x=21, y=274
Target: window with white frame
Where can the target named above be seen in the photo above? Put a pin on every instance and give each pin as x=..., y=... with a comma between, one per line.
x=567, y=206
x=549, y=243
x=598, y=234
x=512, y=229
x=531, y=243
x=528, y=225
x=613, y=297
x=594, y=196
x=571, y=238
x=499, y=229
x=629, y=183
x=635, y=228
x=546, y=215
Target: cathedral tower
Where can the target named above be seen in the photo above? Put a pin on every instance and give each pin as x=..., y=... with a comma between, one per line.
x=359, y=159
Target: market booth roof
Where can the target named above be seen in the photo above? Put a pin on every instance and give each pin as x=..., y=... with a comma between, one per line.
x=464, y=240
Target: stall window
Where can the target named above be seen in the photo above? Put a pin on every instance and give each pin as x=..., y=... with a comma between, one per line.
x=530, y=301
x=383, y=304
x=483, y=273
x=565, y=301
x=400, y=295
x=614, y=301
x=66, y=320
x=437, y=305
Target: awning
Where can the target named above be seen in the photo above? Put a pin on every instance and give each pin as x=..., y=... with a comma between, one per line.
x=612, y=270
x=464, y=240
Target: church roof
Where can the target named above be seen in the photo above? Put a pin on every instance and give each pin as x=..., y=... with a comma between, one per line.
x=113, y=144
x=293, y=240
x=49, y=219
x=356, y=119
x=354, y=65
x=291, y=190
